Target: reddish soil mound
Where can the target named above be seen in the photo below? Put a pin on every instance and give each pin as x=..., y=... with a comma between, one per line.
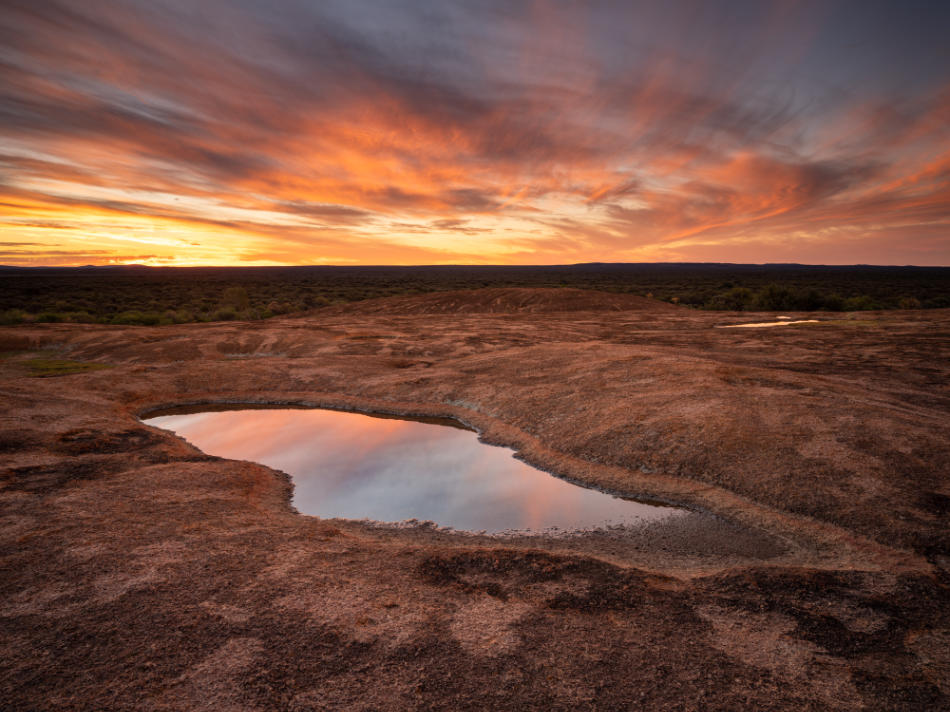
x=504, y=300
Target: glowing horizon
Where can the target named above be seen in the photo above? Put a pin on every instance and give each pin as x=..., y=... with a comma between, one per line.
x=375, y=132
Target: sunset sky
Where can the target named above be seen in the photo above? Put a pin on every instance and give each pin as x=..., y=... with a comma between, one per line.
x=429, y=131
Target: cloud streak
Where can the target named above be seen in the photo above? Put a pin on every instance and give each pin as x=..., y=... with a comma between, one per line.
x=482, y=132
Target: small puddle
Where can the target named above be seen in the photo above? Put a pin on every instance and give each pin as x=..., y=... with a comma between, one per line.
x=761, y=324
x=389, y=469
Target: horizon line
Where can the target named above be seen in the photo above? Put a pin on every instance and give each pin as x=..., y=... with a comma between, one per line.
x=138, y=265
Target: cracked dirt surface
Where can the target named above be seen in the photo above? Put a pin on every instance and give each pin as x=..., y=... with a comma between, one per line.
x=140, y=573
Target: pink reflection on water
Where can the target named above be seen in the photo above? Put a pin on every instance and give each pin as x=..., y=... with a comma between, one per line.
x=357, y=466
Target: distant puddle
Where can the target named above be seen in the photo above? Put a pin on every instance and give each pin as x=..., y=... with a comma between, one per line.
x=760, y=324
x=389, y=469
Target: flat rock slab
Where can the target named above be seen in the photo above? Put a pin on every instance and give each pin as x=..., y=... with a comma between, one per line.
x=136, y=572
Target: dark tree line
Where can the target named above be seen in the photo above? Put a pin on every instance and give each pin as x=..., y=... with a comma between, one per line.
x=140, y=295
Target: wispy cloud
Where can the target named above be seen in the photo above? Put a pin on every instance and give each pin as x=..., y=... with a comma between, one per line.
x=432, y=131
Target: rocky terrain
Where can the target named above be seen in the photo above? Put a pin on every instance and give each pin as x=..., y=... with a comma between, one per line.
x=137, y=573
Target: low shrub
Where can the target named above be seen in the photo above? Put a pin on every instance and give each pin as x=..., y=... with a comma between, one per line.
x=49, y=367
x=859, y=303
x=14, y=316
x=137, y=318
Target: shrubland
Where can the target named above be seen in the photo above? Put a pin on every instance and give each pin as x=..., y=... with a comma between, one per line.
x=156, y=296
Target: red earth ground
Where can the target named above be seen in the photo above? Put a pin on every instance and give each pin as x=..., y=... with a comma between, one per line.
x=814, y=573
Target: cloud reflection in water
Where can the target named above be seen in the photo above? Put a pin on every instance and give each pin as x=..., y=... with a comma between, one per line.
x=356, y=466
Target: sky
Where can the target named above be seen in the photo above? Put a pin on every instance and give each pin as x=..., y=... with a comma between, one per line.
x=252, y=132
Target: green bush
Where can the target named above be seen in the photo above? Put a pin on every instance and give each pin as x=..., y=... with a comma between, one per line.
x=235, y=297
x=860, y=303
x=774, y=297
x=736, y=299
x=13, y=316
x=808, y=300
x=137, y=318
x=941, y=302
x=834, y=302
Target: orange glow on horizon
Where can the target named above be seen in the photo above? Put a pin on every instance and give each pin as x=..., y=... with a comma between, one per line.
x=558, y=141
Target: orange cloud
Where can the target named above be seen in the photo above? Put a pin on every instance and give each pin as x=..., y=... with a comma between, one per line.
x=549, y=134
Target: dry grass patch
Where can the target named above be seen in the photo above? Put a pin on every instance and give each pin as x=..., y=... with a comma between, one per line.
x=50, y=367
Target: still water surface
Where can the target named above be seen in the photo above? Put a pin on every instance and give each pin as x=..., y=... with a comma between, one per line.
x=761, y=324
x=356, y=466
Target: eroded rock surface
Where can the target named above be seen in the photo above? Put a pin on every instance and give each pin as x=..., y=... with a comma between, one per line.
x=139, y=573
